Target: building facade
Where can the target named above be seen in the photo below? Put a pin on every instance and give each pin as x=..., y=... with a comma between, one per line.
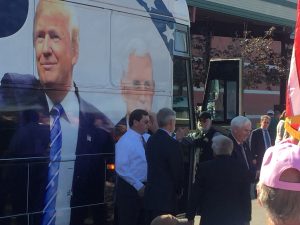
x=216, y=23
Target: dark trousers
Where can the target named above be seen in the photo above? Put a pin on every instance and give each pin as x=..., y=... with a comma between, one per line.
x=129, y=204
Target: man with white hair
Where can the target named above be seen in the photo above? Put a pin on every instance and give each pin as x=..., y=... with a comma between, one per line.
x=240, y=128
x=221, y=188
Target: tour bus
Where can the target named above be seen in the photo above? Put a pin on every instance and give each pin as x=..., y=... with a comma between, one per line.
x=70, y=73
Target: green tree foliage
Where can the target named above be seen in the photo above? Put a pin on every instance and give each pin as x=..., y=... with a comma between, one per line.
x=262, y=65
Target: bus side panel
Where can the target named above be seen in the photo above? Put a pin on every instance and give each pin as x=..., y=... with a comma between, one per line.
x=142, y=38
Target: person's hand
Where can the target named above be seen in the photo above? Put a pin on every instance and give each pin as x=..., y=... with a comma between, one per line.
x=141, y=191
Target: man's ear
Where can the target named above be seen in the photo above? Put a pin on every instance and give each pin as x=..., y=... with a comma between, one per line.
x=75, y=48
x=75, y=52
x=169, y=124
x=134, y=123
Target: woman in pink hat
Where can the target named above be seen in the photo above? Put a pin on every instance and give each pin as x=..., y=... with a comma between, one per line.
x=279, y=184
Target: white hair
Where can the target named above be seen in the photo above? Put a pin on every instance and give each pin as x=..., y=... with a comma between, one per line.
x=239, y=122
x=164, y=116
x=136, y=47
x=222, y=145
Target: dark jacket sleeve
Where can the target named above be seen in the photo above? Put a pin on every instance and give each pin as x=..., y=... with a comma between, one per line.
x=252, y=166
x=175, y=161
x=254, y=143
x=245, y=198
x=194, y=202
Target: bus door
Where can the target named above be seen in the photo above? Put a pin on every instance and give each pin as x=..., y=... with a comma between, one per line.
x=223, y=90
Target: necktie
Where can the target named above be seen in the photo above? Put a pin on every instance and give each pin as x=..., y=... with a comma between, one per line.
x=244, y=155
x=49, y=212
x=143, y=142
x=267, y=138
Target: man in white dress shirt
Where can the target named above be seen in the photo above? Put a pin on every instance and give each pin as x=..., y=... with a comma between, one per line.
x=131, y=168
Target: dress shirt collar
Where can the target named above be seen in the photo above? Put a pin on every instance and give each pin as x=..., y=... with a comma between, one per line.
x=239, y=143
x=127, y=120
x=70, y=105
x=133, y=132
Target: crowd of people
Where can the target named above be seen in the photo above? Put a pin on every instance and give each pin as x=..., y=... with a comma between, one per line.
x=150, y=172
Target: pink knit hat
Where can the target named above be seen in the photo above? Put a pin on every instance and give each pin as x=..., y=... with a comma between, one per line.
x=276, y=160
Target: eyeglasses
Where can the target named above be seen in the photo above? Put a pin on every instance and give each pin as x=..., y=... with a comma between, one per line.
x=140, y=85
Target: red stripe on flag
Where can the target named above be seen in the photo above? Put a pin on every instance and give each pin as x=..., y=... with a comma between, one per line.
x=297, y=41
x=292, y=122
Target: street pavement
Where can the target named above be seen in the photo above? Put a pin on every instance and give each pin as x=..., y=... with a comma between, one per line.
x=258, y=215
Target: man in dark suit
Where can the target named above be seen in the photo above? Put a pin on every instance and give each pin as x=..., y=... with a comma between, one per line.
x=165, y=168
x=240, y=127
x=79, y=177
x=260, y=140
x=221, y=189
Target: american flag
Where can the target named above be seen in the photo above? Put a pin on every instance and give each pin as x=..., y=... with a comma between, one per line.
x=164, y=25
x=292, y=123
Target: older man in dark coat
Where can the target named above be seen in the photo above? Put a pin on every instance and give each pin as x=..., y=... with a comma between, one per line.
x=221, y=188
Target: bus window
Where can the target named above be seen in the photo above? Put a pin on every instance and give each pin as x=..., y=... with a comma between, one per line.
x=215, y=100
x=181, y=44
x=181, y=77
x=231, y=99
x=181, y=41
x=180, y=91
x=222, y=92
x=13, y=16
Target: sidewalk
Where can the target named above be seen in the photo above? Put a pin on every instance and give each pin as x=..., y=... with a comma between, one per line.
x=258, y=215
